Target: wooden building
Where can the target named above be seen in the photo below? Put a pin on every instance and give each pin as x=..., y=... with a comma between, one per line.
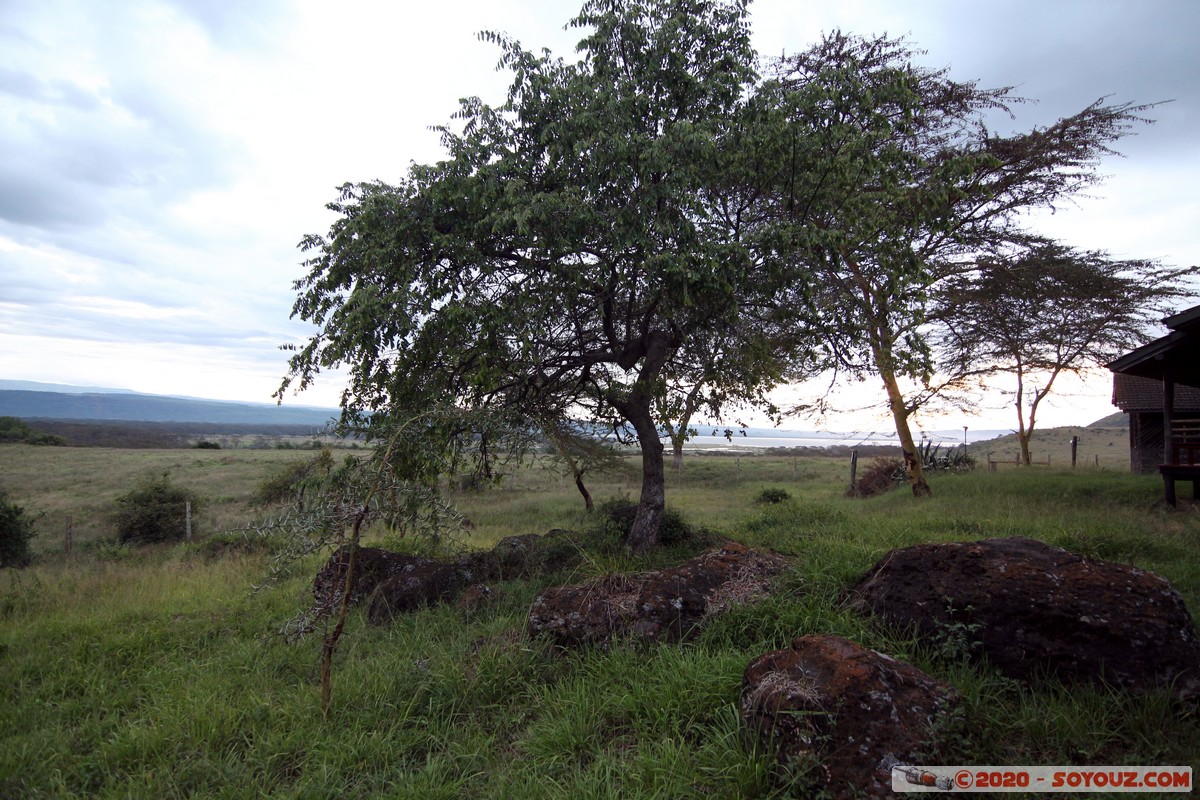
x=1158, y=385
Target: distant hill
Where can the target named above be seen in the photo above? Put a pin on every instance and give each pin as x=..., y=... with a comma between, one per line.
x=113, y=405
x=1117, y=420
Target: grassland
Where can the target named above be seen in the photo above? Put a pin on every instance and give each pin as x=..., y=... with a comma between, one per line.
x=157, y=673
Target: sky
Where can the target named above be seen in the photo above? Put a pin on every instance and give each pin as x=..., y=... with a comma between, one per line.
x=160, y=159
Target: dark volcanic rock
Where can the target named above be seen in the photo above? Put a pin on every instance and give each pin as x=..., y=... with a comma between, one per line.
x=475, y=598
x=372, y=567
x=854, y=711
x=668, y=604
x=422, y=582
x=525, y=556
x=1030, y=607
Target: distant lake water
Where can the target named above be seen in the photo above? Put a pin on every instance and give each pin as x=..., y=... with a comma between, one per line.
x=831, y=439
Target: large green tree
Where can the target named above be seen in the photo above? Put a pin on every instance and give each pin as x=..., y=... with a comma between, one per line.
x=914, y=189
x=1048, y=309
x=570, y=252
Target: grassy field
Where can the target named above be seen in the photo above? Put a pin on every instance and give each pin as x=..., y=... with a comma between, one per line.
x=158, y=673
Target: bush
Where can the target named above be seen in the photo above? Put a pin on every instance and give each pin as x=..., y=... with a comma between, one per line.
x=618, y=514
x=883, y=474
x=13, y=429
x=289, y=484
x=204, y=444
x=16, y=530
x=773, y=494
x=154, y=511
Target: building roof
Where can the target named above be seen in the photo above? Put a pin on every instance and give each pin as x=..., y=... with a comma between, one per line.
x=1131, y=393
x=1177, y=354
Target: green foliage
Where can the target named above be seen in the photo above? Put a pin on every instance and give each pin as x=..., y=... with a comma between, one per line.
x=154, y=511
x=16, y=531
x=579, y=247
x=289, y=483
x=13, y=429
x=773, y=494
x=204, y=444
x=618, y=514
x=955, y=459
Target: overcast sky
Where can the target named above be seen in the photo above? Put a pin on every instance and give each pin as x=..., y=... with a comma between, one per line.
x=160, y=159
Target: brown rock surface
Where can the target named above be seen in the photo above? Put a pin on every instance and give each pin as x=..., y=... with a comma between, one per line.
x=1029, y=607
x=854, y=711
x=663, y=605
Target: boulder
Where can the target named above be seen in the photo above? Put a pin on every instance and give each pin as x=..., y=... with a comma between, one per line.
x=475, y=598
x=524, y=556
x=663, y=605
x=854, y=712
x=421, y=582
x=372, y=567
x=1032, y=608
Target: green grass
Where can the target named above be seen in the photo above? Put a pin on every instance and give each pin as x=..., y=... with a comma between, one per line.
x=157, y=673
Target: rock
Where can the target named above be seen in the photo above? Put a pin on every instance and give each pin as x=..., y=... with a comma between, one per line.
x=420, y=583
x=372, y=566
x=475, y=598
x=525, y=556
x=853, y=711
x=663, y=605
x=1031, y=608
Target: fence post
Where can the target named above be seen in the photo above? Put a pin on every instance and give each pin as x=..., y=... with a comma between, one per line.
x=853, y=468
x=1074, y=449
x=187, y=514
x=69, y=539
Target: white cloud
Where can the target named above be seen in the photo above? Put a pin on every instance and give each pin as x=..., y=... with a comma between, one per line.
x=160, y=159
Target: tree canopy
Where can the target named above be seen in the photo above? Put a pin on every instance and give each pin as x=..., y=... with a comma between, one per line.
x=569, y=253
x=916, y=190
x=657, y=228
x=1048, y=309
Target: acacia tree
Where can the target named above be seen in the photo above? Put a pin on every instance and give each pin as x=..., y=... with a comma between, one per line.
x=574, y=243
x=1049, y=309
x=917, y=189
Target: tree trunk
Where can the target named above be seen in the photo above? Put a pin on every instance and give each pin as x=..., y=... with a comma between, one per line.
x=587, y=497
x=912, y=462
x=1023, y=438
x=644, y=533
x=677, y=453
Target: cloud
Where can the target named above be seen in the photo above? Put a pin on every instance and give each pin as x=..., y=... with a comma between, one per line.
x=159, y=159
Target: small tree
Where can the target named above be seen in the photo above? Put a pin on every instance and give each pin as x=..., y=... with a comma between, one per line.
x=918, y=189
x=1049, y=309
x=566, y=256
x=16, y=531
x=580, y=454
x=154, y=511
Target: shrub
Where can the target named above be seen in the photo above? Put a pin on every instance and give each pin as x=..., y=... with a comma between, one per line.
x=204, y=444
x=154, y=511
x=16, y=530
x=289, y=484
x=618, y=514
x=773, y=494
x=13, y=429
x=881, y=475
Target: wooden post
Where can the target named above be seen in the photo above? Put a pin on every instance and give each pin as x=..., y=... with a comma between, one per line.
x=853, y=468
x=69, y=540
x=1074, y=449
x=187, y=513
x=1168, y=413
x=795, y=468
